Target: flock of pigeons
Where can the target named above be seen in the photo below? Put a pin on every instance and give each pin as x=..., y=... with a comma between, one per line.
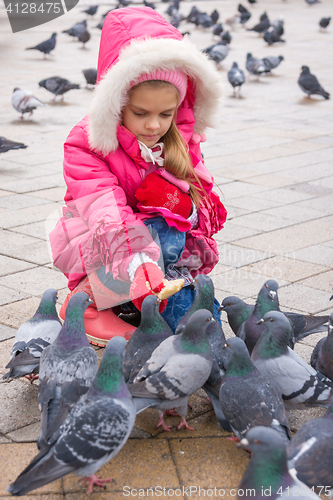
x=252, y=380
x=25, y=102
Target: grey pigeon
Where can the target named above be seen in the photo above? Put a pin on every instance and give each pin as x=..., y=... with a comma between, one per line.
x=7, y=145
x=217, y=29
x=310, y=452
x=204, y=299
x=244, y=14
x=76, y=30
x=90, y=76
x=310, y=85
x=32, y=337
x=93, y=433
x=267, y=475
x=272, y=62
x=177, y=368
x=300, y=384
x=263, y=24
x=217, y=52
x=58, y=86
x=322, y=354
x=254, y=65
x=247, y=397
x=47, y=46
x=91, y=11
x=272, y=35
x=267, y=300
x=324, y=22
x=215, y=16
x=236, y=77
x=153, y=329
x=226, y=37
x=84, y=37
x=67, y=369
x=312, y=2
x=24, y=101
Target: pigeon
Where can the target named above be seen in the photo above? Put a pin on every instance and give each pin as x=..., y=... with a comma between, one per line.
x=215, y=16
x=77, y=29
x=58, y=86
x=153, y=329
x=312, y=2
x=254, y=65
x=273, y=34
x=236, y=77
x=90, y=76
x=217, y=29
x=204, y=20
x=191, y=18
x=263, y=24
x=32, y=337
x=244, y=14
x=177, y=368
x=267, y=475
x=300, y=384
x=47, y=46
x=204, y=299
x=310, y=452
x=7, y=145
x=226, y=37
x=84, y=37
x=247, y=397
x=93, y=433
x=149, y=4
x=272, y=62
x=324, y=22
x=252, y=1
x=267, y=300
x=91, y=11
x=176, y=19
x=231, y=21
x=310, y=85
x=217, y=52
x=322, y=354
x=24, y=101
x=67, y=369
x=237, y=311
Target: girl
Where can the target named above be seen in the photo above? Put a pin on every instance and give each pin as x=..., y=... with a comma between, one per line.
x=139, y=201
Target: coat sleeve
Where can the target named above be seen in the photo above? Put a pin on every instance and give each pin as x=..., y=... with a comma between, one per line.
x=115, y=233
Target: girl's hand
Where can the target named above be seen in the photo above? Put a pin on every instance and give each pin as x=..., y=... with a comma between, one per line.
x=148, y=280
x=157, y=192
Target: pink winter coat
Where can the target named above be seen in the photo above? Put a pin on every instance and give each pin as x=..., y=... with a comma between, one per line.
x=103, y=167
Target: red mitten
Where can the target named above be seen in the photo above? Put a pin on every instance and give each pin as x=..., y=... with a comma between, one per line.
x=139, y=290
x=157, y=192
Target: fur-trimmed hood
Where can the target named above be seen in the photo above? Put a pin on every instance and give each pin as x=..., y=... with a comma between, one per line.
x=137, y=40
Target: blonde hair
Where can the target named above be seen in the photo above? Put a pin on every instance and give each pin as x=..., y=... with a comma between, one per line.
x=177, y=159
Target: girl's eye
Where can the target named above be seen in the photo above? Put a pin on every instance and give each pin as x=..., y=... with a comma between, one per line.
x=138, y=114
x=166, y=114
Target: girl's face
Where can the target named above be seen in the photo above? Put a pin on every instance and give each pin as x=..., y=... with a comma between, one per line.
x=150, y=111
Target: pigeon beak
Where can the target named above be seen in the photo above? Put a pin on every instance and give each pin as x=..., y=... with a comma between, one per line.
x=331, y=297
x=260, y=321
x=272, y=294
x=89, y=302
x=222, y=307
x=243, y=442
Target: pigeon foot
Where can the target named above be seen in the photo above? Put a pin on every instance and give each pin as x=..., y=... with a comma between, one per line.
x=31, y=377
x=162, y=424
x=95, y=480
x=183, y=423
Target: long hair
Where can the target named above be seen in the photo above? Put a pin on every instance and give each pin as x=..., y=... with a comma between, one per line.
x=176, y=156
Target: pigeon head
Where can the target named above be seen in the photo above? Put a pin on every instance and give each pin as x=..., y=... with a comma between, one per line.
x=330, y=324
x=274, y=338
x=268, y=465
x=237, y=361
x=73, y=332
x=249, y=55
x=110, y=378
x=267, y=297
x=46, y=308
x=152, y=322
x=205, y=286
x=194, y=338
x=305, y=69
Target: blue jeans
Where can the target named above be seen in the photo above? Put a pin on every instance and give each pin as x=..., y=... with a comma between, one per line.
x=172, y=243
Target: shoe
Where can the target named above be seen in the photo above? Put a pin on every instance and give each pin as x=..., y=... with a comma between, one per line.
x=100, y=325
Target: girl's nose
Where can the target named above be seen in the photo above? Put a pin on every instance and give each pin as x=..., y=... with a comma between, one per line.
x=152, y=123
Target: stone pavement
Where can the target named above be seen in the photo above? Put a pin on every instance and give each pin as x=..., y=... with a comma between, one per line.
x=271, y=157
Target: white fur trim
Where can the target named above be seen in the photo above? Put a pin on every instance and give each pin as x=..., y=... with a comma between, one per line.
x=145, y=56
x=138, y=259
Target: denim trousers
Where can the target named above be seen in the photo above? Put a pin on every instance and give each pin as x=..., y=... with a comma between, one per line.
x=172, y=243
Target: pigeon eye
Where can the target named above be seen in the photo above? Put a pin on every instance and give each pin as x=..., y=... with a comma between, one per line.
x=257, y=441
x=266, y=285
x=271, y=319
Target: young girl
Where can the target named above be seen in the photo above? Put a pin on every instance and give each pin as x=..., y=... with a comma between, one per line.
x=139, y=202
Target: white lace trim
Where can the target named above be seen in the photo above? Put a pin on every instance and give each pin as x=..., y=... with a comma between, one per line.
x=193, y=218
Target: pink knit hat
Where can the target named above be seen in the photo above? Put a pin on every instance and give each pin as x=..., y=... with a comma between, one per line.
x=177, y=78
